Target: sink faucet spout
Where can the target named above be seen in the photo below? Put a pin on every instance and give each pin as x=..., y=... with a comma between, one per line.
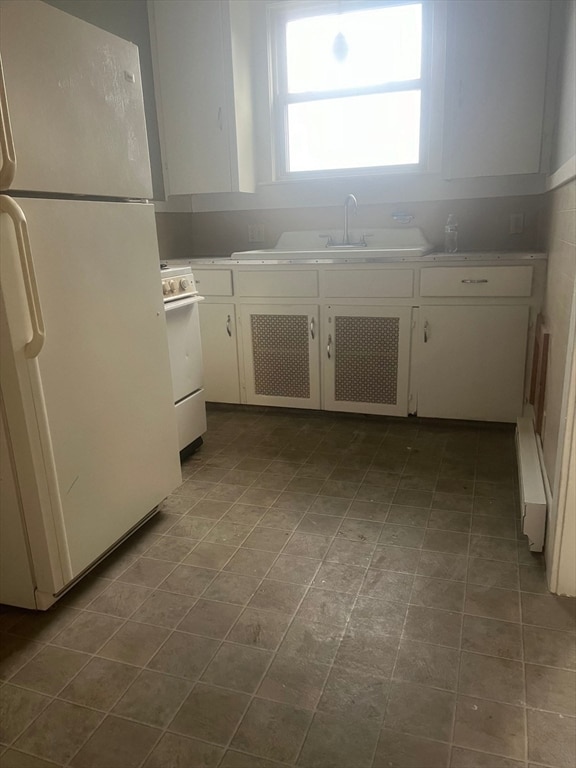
x=350, y=200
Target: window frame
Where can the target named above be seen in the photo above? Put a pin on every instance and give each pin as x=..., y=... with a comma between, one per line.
x=279, y=14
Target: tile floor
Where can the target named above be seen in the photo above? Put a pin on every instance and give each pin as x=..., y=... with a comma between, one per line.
x=321, y=591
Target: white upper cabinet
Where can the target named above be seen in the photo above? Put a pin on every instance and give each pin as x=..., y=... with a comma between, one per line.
x=201, y=53
x=495, y=83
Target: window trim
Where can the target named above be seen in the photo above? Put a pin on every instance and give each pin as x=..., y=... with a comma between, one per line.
x=279, y=14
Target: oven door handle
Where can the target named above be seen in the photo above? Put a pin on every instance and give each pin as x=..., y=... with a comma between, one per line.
x=179, y=304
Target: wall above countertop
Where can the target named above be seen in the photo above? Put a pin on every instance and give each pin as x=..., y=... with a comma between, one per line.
x=484, y=224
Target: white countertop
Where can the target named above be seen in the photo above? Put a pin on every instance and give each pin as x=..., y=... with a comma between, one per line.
x=431, y=258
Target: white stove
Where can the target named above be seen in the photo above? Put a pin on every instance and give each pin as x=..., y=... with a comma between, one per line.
x=181, y=302
x=177, y=283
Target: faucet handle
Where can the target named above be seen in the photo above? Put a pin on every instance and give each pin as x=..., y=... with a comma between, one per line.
x=329, y=240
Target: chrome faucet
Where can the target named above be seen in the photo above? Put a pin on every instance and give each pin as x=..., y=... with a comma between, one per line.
x=350, y=200
x=346, y=242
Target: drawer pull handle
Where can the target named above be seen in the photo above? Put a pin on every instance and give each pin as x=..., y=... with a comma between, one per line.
x=426, y=331
x=312, y=329
x=329, y=347
x=474, y=281
x=229, y=326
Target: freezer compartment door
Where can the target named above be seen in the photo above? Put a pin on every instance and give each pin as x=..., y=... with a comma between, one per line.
x=71, y=109
x=101, y=384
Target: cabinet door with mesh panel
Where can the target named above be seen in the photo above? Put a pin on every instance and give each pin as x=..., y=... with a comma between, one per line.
x=366, y=354
x=281, y=355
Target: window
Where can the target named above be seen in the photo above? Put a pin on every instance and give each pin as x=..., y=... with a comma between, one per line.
x=349, y=87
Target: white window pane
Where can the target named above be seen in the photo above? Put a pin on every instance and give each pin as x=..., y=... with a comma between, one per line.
x=384, y=45
x=354, y=132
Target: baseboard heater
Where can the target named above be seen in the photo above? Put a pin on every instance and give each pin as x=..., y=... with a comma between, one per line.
x=533, y=503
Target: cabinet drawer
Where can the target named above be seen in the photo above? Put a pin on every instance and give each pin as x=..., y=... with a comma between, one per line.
x=214, y=282
x=476, y=281
x=368, y=283
x=277, y=283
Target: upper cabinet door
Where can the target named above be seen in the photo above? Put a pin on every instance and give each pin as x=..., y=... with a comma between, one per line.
x=71, y=110
x=194, y=61
x=495, y=82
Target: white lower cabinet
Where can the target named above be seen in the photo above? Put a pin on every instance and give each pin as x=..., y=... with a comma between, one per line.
x=470, y=362
x=366, y=359
x=442, y=341
x=281, y=355
x=220, y=352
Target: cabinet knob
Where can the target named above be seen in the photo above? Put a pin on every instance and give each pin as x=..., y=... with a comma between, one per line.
x=229, y=326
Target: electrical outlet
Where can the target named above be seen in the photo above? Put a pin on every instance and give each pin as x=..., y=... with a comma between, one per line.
x=516, y=223
x=255, y=233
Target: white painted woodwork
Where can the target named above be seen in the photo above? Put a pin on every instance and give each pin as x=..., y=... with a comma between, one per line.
x=476, y=281
x=533, y=504
x=471, y=362
x=201, y=53
x=220, y=352
x=491, y=98
x=364, y=361
x=280, y=366
x=479, y=370
x=277, y=283
x=214, y=282
x=368, y=283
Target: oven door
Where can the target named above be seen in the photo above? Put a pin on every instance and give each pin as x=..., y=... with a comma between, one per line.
x=184, y=345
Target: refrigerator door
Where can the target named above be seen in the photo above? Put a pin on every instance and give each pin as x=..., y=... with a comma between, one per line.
x=71, y=109
x=96, y=389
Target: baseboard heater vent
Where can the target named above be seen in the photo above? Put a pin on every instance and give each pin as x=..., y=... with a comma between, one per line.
x=532, y=490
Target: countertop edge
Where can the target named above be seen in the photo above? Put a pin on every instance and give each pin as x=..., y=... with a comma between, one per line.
x=432, y=258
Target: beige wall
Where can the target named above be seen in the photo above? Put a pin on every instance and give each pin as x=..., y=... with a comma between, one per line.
x=483, y=225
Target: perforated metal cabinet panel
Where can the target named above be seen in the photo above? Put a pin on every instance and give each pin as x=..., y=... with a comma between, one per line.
x=282, y=359
x=367, y=356
x=280, y=354
x=366, y=359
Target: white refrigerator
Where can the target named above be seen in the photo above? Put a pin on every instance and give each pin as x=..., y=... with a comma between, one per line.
x=88, y=435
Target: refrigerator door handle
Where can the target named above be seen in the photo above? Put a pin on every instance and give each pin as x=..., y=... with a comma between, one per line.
x=8, y=168
x=12, y=209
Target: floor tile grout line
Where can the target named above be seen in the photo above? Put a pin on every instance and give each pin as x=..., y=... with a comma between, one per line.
x=524, y=683
x=274, y=656
x=459, y=671
x=332, y=664
x=54, y=697
x=94, y=655
x=393, y=670
x=332, y=538
x=140, y=667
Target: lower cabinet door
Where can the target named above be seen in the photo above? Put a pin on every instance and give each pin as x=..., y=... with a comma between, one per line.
x=366, y=358
x=281, y=359
x=219, y=352
x=471, y=362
